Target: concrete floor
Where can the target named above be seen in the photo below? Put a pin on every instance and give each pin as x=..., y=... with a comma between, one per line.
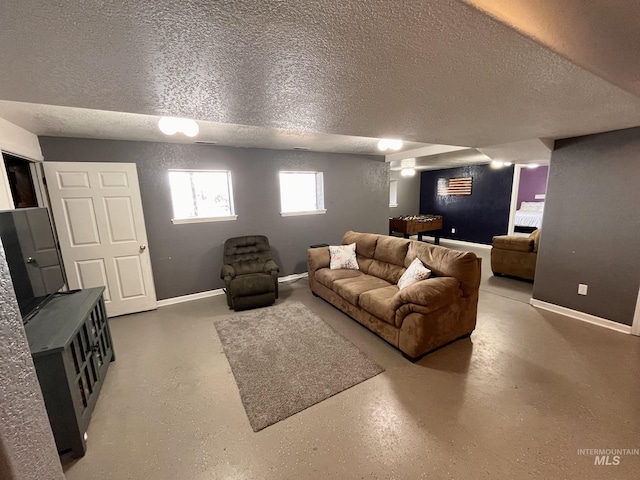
x=516, y=400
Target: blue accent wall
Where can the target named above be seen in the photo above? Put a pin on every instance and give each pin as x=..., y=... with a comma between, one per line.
x=476, y=217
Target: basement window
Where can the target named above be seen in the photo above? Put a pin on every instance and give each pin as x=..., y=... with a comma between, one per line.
x=201, y=196
x=393, y=193
x=301, y=193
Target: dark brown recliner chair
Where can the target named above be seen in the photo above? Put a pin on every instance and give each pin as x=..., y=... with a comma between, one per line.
x=515, y=256
x=249, y=273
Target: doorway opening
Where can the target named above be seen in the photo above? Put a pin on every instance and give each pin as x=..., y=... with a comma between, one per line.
x=527, y=199
x=20, y=178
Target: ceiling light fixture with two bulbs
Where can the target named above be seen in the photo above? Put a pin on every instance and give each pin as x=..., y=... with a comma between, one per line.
x=500, y=164
x=389, y=144
x=173, y=125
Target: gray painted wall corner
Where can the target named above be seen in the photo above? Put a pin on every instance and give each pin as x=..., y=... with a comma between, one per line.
x=27, y=447
x=591, y=226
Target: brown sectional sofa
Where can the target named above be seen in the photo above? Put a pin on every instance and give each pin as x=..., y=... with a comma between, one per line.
x=424, y=316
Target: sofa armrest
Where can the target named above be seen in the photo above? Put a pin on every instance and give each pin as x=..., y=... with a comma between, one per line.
x=271, y=267
x=433, y=293
x=515, y=244
x=318, y=258
x=227, y=273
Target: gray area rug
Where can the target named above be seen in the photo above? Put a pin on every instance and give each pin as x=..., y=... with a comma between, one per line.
x=285, y=359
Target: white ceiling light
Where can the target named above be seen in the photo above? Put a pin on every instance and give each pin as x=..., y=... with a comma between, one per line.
x=389, y=144
x=533, y=165
x=497, y=164
x=408, y=172
x=507, y=164
x=173, y=125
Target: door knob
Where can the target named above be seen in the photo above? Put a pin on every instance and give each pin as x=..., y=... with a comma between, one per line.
x=143, y=247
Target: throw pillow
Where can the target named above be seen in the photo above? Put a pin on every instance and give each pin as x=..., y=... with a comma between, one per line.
x=416, y=272
x=343, y=256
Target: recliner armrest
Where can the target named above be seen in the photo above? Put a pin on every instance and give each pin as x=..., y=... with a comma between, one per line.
x=271, y=267
x=515, y=244
x=227, y=272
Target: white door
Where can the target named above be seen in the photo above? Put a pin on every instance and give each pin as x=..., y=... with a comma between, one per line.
x=98, y=215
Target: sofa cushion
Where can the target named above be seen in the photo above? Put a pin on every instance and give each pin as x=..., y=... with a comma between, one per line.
x=416, y=272
x=365, y=242
x=326, y=276
x=443, y=262
x=343, y=256
x=432, y=292
x=391, y=250
x=387, y=271
x=351, y=288
x=515, y=244
x=378, y=303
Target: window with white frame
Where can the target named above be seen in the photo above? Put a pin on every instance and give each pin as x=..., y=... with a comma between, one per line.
x=301, y=193
x=393, y=193
x=201, y=196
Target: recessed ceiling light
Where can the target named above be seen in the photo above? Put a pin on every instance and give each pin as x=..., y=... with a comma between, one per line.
x=408, y=172
x=173, y=125
x=533, y=165
x=497, y=164
x=389, y=144
x=508, y=164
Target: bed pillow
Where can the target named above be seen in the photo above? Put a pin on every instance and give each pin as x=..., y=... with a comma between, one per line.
x=416, y=272
x=343, y=256
x=532, y=207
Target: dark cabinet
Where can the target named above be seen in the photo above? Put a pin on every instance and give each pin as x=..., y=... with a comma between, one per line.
x=71, y=346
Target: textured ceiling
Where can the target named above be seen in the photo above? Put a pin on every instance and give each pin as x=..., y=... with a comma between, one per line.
x=55, y=121
x=601, y=36
x=432, y=72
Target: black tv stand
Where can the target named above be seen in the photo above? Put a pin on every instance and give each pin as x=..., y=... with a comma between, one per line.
x=71, y=346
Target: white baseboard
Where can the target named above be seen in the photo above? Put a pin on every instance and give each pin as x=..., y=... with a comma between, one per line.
x=462, y=243
x=578, y=315
x=219, y=291
x=188, y=298
x=294, y=276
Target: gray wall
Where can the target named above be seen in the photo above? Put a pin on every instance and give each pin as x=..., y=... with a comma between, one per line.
x=187, y=258
x=591, y=227
x=408, y=195
x=27, y=448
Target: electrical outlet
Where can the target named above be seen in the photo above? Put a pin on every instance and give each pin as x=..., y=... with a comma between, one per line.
x=453, y=230
x=582, y=289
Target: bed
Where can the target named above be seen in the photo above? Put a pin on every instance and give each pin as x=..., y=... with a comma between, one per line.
x=529, y=215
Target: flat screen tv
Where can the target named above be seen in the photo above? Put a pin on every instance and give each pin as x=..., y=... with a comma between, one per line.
x=33, y=257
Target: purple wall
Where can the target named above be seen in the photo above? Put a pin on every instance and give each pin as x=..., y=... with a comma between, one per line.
x=533, y=181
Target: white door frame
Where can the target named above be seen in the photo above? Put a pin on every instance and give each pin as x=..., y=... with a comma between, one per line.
x=515, y=187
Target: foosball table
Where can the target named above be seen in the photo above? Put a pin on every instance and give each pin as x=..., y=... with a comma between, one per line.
x=417, y=225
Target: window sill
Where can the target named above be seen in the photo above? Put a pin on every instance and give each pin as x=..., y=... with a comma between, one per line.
x=180, y=221
x=307, y=212
x=393, y=205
